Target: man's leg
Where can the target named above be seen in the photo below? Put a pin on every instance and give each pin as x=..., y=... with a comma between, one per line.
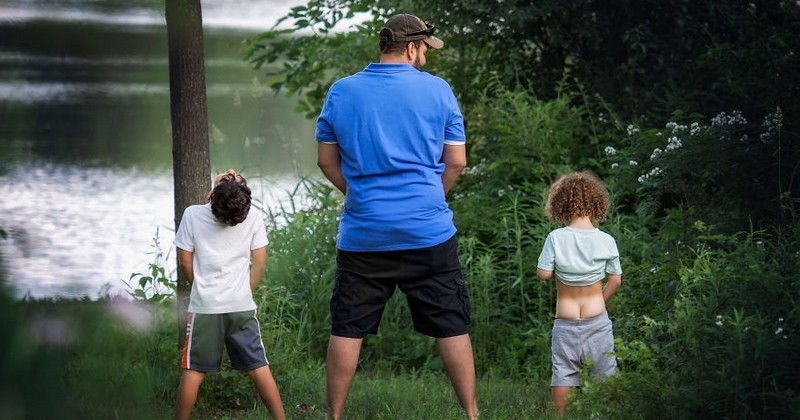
x=268, y=391
x=187, y=393
x=341, y=368
x=456, y=353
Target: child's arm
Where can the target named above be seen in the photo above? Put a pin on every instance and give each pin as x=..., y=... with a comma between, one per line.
x=258, y=263
x=185, y=260
x=613, y=282
x=544, y=274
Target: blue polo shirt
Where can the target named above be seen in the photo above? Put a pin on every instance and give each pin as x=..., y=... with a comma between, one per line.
x=391, y=122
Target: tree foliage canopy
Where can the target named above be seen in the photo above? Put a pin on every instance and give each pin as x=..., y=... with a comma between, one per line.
x=646, y=57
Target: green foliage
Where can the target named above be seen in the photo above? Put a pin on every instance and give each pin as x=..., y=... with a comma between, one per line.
x=309, y=64
x=706, y=216
x=303, y=260
x=520, y=144
x=727, y=171
x=155, y=285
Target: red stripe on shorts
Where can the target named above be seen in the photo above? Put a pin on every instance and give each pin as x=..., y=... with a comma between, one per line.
x=187, y=342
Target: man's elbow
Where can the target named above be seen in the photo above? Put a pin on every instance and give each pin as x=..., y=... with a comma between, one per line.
x=456, y=165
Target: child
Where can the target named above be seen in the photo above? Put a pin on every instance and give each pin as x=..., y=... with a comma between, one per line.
x=217, y=242
x=580, y=255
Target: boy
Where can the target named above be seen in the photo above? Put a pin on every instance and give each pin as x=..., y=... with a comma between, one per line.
x=217, y=242
x=580, y=255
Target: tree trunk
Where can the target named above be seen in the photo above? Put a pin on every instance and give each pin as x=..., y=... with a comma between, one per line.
x=190, y=150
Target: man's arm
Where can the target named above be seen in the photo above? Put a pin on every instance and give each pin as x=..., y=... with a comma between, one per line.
x=258, y=263
x=455, y=160
x=330, y=163
x=185, y=261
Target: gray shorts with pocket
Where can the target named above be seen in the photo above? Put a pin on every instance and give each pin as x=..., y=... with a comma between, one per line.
x=575, y=342
x=207, y=334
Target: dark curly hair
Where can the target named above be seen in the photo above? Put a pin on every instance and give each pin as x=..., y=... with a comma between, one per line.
x=230, y=199
x=577, y=194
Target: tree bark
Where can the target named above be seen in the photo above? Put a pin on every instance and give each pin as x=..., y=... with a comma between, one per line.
x=188, y=110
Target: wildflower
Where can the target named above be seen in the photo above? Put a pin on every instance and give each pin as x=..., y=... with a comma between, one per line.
x=610, y=151
x=674, y=143
x=656, y=152
x=654, y=172
x=632, y=129
x=780, y=319
x=641, y=179
x=719, y=320
x=659, y=134
x=694, y=128
x=653, y=270
x=778, y=331
x=722, y=118
x=633, y=163
x=614, y=165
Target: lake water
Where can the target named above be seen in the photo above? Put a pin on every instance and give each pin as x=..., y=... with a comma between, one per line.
x=85, y=141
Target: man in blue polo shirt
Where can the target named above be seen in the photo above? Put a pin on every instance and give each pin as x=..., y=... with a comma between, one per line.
x=391, y=138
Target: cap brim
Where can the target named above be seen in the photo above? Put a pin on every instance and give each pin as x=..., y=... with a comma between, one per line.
x=434, y=42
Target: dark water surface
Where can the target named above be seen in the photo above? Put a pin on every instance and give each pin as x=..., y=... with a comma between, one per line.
x=85, y=142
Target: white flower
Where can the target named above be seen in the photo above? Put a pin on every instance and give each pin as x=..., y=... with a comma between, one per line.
x=674, y=143
x=653, y=270
x=641, y=179
x=735, y=118
x=614, y=165
x=694, y=128
x=719, y=320
x=656, y=152
x=778, y=331
x=633, y=163
x=610, y=151
x=632, y=129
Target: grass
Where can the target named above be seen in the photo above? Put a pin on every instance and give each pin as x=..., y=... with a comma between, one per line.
x=113, y=359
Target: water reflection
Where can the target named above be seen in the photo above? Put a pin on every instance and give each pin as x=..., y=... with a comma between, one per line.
x=85, y=144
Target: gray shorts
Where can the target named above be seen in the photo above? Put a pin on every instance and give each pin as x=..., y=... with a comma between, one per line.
x=576, y=341
x=206, y=334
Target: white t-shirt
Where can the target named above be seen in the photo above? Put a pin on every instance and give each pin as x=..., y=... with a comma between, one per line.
x=221, y=260
x=580, y=257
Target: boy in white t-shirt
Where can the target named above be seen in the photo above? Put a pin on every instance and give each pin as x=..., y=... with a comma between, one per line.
x=217, y=242
x=581, y=256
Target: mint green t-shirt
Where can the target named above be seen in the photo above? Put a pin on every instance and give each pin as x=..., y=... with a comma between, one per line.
x=580, y=257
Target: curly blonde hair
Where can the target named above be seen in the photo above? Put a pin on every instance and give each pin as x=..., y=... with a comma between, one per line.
x=577, y=194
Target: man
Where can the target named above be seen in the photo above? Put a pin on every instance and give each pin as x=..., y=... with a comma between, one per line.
x=391, y=138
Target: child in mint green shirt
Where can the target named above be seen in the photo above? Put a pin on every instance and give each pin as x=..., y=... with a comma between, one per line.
x=580, y=256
